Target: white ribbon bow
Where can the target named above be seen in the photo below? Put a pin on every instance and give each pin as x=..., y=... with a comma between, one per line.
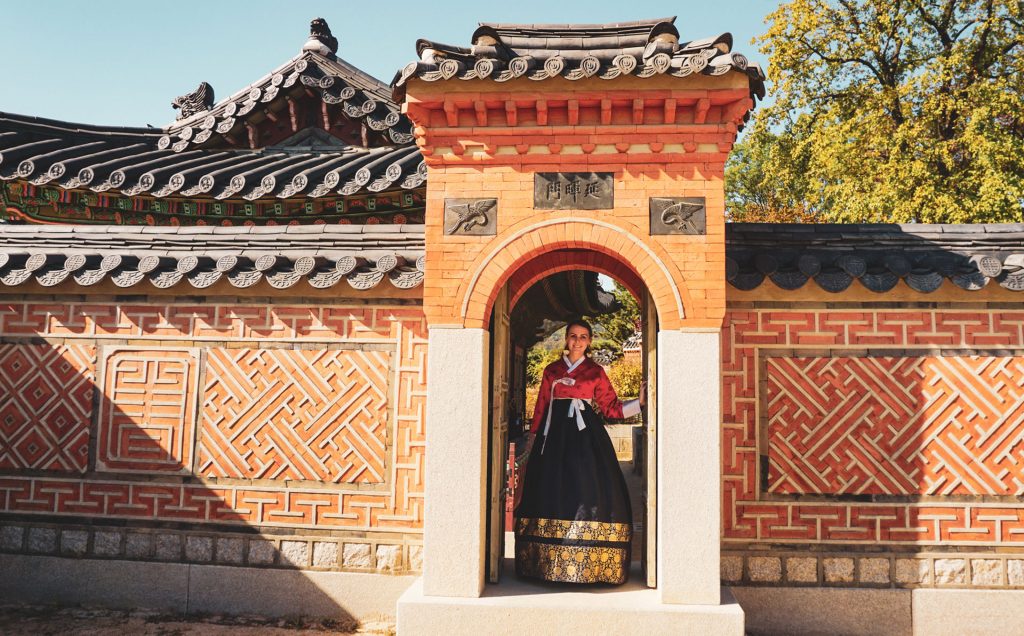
x=575, y=408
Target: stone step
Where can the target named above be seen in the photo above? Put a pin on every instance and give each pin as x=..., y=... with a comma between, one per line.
x=518, y=606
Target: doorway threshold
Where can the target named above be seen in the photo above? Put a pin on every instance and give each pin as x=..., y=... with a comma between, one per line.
x=521, y=606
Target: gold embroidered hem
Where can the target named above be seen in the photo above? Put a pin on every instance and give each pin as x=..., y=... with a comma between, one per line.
x=574, y=530
x=572, y=564
x=573, y=551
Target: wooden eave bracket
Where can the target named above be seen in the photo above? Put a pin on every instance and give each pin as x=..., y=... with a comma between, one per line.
x=700, y=111
x=293, y=114
x=451, y=112
x=511, y=113
x=326, y=115
x=573, y=111
x=253, y=135
x=670, y=110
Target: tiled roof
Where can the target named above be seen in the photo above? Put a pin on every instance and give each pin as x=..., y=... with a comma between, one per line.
x=789, y=255
x=321, y=255
x=878, y=256
x=360, y=97
x=131, y=162
x=634, y=342
x=502, y=52
x=313, y=127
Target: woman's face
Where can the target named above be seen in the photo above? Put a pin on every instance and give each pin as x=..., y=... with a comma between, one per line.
x=577, y=339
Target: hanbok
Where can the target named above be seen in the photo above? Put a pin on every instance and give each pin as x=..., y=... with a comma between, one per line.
x=574, y=523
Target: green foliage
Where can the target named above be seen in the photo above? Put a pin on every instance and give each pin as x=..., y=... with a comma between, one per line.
x=537, y=358
x=616, y=327
x=626, y=376
x=599, y=343
x=888, y=111
x=766, y=179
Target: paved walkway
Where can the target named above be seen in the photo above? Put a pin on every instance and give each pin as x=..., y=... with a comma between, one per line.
x=17, y=620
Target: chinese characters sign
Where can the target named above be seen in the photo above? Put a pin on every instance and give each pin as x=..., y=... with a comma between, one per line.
x=573, y=191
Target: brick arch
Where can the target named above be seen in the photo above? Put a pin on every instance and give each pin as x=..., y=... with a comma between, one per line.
x=572, y=260
x=517, y=247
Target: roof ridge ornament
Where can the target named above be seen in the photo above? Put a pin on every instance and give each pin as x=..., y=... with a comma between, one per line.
x=198, y=101
x=321, y=40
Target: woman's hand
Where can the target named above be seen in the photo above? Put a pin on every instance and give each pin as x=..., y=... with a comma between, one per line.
x=643, y=394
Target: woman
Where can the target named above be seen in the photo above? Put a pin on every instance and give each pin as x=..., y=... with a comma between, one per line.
x=573, y=522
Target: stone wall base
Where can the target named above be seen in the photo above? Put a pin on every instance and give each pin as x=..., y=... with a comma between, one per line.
x=918, y=612
x=366, y=552
x=198, y=589
x=939, y=566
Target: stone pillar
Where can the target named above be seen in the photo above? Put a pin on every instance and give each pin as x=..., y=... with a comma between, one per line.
x=455, y=472
x=689, y=469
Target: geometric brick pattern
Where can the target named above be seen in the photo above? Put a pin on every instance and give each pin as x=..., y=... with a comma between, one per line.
x=147, y=411
x=930, y=425
x=397, y=332
x=752, y=513
x=295, y=414
x=45, y=406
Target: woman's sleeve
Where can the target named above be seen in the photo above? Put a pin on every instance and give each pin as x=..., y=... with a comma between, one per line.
x=543, y=397
x=611, y=406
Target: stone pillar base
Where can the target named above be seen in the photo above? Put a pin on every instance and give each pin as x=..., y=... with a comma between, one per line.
x=520, y=607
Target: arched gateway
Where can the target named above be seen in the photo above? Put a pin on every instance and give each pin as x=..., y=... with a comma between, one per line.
x=281, y=412
x=550, y=148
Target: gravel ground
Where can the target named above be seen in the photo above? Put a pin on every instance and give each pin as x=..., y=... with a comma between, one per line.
x=35, y=620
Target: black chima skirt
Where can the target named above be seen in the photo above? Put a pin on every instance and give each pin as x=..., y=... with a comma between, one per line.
x=574, y=523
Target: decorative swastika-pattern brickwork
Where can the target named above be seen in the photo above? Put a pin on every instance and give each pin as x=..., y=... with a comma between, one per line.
x=147, y=413
x=302, y=415
x=752, y=513
x=397, y=333
x=933, y=425
x=205, y=323
x=45, y=405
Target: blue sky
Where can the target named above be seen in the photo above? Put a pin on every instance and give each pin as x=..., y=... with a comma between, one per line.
x=121, y=63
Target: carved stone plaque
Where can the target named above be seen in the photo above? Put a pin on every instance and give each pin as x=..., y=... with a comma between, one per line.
x=573, y=191
x=474, y=217
x=678, y=215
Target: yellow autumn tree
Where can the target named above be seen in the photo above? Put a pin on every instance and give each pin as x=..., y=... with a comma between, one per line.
x=887, y=111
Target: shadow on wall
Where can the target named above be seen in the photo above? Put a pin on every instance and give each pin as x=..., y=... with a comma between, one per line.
x=107, y=499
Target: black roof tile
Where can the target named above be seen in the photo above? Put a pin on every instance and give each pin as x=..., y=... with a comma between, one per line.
x=877, y=255
x=643, y=48
x=131, y=163
x=196, y=155
x=324, y=255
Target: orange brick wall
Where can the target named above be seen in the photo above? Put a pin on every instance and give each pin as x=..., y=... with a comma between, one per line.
x=248, y=415
x=869, y=426
x=488, y=141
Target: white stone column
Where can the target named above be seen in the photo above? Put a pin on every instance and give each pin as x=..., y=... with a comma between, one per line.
x=456, y=456
x=689, y=466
